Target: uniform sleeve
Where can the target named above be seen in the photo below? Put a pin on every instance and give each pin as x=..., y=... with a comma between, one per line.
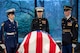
x=0, y=36
x=32, y=25
x=17, y=35
x=62, y=23
x=47, y=26
x=75, y=31
x=17, y=32
x=2, y=32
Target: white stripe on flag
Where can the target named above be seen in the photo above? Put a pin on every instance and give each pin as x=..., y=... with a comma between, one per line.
x=21, y=48
x=57, y=49
x=46, y=43
x=32, y=42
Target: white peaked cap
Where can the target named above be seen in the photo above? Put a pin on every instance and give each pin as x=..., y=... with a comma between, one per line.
x=11, y=10
x=39, y=8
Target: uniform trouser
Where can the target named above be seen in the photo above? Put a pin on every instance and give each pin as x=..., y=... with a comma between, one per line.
x=67, y=49
x=11, y=49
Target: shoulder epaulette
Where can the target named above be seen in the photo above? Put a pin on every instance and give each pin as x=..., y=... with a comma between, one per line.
x=74, y=18
x=2, y=24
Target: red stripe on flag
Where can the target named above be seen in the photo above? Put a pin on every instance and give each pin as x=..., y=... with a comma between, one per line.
x=17, y=52
x=39, y=43
x=52, y=45
x=26, y=44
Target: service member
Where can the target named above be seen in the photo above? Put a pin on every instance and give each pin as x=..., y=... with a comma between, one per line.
x=9, y=29
x=40, y=23
x=69, y=31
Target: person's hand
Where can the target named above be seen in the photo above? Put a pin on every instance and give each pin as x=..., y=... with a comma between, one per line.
x=5, y=50
x=17, y=46
x=73, y=45
x=3, y=46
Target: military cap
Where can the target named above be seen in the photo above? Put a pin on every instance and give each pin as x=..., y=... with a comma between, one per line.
x=66, y=8
x=10, y=11
x=39, y=9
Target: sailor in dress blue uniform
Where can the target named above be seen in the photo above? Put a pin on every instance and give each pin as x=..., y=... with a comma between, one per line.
x=9, y=29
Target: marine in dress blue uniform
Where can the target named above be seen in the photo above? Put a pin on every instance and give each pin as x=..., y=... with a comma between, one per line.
x=69, y=31
x=10, y=30
x=40, y=23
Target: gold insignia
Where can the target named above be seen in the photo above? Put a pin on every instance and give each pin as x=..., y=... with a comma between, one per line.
x=43, y=22
x=69, y=24
x=76, y=25
x=2, y=24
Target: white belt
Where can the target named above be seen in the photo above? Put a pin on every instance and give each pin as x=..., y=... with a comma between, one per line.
x=12, y=33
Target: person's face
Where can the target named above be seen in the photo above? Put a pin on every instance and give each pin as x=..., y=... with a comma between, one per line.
x=39, y=14
x=11, y=16
x=67, y=13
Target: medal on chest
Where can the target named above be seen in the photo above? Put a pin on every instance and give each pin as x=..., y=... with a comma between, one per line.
x=43, y=22
x=69, y=23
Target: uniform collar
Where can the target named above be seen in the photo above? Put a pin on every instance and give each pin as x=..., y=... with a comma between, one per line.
x=68, y=17
x=11, y=20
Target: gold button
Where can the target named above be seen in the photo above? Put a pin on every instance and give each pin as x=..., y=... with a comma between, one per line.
x=40, y=25
x=36, y=21
x=14, y=29
x=14, y=26
x=9, y=24
x=39, y=22
x=63, y=27
x=39, y=19
x=40, y=28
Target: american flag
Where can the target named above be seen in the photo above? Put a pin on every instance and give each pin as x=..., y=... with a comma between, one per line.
x=38, y=42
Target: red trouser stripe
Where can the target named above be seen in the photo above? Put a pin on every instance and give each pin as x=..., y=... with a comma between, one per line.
x=39, y=43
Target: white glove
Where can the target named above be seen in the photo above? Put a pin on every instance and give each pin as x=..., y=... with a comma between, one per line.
x=3, y=46
x=73, y=45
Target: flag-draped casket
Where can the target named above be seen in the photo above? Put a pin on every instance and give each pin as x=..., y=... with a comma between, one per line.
x=38, y=42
